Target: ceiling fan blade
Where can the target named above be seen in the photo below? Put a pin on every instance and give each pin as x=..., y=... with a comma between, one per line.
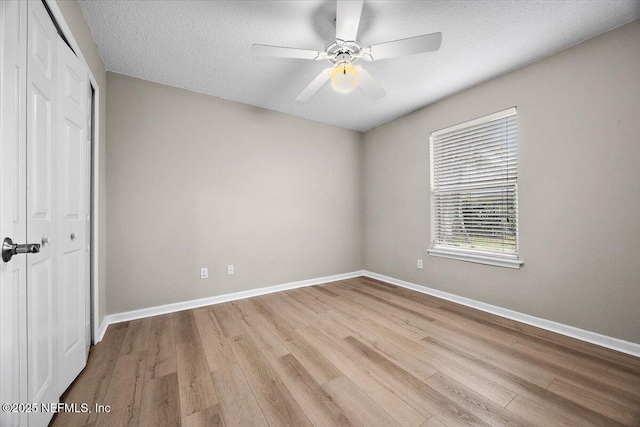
x=404, y=47
x=348, y=19
x=314, y=86
x=367, y=83
x=285, y=52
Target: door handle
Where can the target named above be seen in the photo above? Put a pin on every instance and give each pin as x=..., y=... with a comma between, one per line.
x=9, y=249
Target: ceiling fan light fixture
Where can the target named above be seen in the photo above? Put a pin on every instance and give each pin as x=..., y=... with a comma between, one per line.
x=346, y=50
x=344, y=77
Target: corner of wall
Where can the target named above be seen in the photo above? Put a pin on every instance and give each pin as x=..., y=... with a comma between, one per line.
x=361, y=201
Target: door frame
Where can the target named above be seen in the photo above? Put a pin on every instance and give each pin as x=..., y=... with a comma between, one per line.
x=97, y=327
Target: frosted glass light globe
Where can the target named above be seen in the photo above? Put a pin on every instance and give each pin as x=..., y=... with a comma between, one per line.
x=344, y=78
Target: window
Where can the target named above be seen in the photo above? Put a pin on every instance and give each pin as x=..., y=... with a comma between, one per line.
x=474, y=191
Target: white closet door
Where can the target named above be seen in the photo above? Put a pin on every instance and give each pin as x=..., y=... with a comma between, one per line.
x=71, y=217
x=42, y=267
x=44, y=173
x=13, y=274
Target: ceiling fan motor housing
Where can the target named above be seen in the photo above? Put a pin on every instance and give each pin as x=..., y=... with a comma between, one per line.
x=337, y=50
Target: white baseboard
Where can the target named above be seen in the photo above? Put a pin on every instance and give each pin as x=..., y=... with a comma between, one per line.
x=549, y=325
x=187, y=305
x=617, y=344
x=101, y=330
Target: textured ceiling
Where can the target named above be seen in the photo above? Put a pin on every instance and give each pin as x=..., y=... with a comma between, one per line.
x=205, y=46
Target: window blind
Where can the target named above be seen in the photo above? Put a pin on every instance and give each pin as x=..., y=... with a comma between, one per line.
x=474, y=187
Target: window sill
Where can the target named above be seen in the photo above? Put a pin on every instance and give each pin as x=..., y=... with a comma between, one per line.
x=480, y=259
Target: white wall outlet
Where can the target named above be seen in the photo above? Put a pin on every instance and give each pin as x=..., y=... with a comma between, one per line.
x=419, y=263
x=204, y=273
x=230, y=270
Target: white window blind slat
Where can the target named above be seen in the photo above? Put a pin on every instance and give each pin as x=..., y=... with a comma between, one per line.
x=481, y=153
x=505, y=128
x=474, y=188
x=489, y=155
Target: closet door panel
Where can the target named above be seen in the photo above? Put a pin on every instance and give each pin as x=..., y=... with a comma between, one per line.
x=13, y=274
x=42, y=267
x=71, y=216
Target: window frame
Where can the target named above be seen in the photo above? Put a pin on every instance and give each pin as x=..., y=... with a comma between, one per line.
x=462, y=254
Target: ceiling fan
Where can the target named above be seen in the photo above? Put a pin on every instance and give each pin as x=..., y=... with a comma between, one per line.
x=345, y=50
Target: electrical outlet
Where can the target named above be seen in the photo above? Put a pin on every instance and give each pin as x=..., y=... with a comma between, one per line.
x=204, y=273
x=230, y=270
x=419, y=263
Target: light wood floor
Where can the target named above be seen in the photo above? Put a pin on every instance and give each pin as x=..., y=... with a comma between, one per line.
x=354, y=353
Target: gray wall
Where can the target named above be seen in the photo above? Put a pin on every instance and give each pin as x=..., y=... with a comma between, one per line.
x=196, y=181
x=75, y=20
x=579, y=182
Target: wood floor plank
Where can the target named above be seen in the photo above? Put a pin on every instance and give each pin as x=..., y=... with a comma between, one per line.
x=591, y=400
x=603, y=389
x=532, y=335
x=537, y=414
x=338, y=285
x=124, y=394
x=607, y=356
x=194, y=380
x=216, y=347
x=290, y=313
x=309, y=300
x=210, y=417
x=346, y=306
x=317, y=293
x=319, y=407
x=580, y=366
x=534, y=393
x=312, y=318
x=536, y=370
x=403, y=311
x=357, y=405
x=231, y=327
x=428, y=399
x=408, y=319
x=524, y=364
x=544, y=349
x=474, y=403
x=91, y=385
x=326, y=291
x=491, y=332
x=492, y=353
x=313, y=361
x=391, y=400
x=185, y=329
x=238, y=405
x=277, y=404
x=137, y=338
x=160, y=403
x=470, y=378
x=433, y=422
x=391, y=351
x=161, y=353
x=266, y=340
